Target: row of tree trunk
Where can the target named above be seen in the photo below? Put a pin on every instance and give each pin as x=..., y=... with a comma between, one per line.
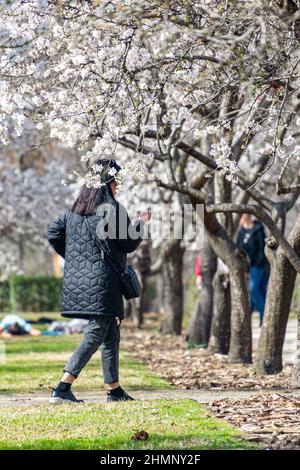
x=221, y=320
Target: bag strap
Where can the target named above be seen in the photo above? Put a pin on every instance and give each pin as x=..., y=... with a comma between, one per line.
x=98, y=243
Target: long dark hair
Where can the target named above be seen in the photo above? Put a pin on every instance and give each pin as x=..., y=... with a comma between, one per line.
x=90, y=198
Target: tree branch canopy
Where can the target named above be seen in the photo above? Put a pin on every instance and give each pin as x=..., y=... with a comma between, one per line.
x=266, y=220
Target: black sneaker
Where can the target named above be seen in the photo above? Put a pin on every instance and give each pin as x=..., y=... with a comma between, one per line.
x=122, y=397
x=58, y=397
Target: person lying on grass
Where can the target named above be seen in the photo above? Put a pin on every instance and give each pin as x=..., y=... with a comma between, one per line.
x=13, y=325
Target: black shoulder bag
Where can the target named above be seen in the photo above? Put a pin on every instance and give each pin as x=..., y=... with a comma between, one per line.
x=131, y=286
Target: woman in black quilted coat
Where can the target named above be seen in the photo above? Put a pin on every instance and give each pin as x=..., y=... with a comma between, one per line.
x=91, y=286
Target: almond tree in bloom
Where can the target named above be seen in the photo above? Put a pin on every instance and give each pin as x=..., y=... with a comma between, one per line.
x=167, y=241
x=29, y=198
x=207, y=89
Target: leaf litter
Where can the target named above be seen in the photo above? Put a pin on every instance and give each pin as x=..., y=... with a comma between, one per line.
x=273, y=420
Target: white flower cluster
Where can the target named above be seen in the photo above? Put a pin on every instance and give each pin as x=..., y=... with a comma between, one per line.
x=88, y=73
x=221, y=152
x=30, y=198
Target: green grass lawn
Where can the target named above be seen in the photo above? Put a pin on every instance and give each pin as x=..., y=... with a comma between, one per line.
x=34, y=364
x=37, y=364
x=177, y=424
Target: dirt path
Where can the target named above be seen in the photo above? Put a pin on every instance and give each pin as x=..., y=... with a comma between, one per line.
x=202, y=396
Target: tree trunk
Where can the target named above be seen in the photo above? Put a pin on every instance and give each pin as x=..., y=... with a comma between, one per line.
x=142, y=263
x=173, y=287
x=200, y=324
x=240, y=349
x=296, y=370
x=241, y=336
x=220, y=329
x=21, y=253
x=136, y=313
x=160, y=291
x=127, y=309
x=278, y=303
x=137, y=304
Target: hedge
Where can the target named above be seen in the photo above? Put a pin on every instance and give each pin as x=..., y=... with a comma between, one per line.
x=30, y=294
x=4, y=297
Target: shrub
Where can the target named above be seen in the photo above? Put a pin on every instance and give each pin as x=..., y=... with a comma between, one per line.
x=31, y=294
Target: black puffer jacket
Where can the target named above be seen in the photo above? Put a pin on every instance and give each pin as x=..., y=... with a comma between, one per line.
x=90, y=284
x=252, y=242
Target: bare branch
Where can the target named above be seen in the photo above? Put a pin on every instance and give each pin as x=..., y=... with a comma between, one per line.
x=267, y=220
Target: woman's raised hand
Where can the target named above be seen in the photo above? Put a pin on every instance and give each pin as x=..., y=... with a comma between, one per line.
x=144, y=215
